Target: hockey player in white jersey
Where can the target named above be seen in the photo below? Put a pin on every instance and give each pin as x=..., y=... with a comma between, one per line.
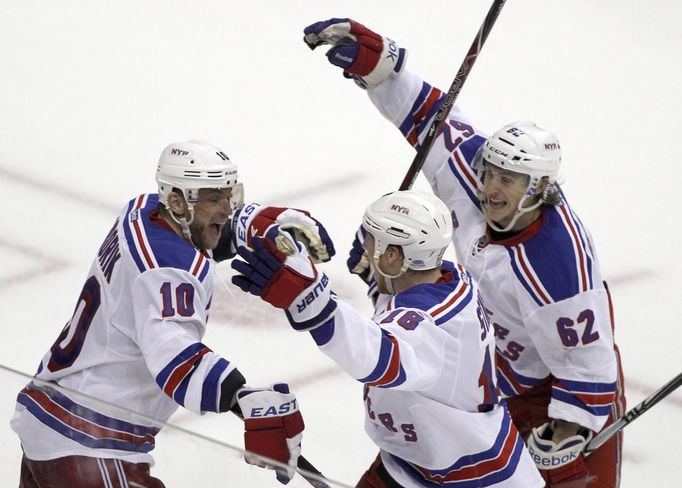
x=426, y=357
x=135, y=339
x=533, y=258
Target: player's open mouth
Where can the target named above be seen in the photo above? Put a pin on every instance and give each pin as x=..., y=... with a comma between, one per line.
x=495, y=204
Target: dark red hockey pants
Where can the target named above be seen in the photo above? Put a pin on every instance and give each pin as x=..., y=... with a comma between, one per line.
x=84, y=472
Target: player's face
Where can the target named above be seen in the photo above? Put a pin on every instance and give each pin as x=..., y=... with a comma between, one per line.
x=211, y=213
x=502, y=191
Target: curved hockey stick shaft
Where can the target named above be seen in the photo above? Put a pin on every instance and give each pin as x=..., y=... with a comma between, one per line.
x=318, y=480
x=455, y=88
x=633, y=413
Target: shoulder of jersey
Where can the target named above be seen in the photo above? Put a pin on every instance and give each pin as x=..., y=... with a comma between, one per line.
x=442, y=300
x=154, y=246
x=557, y=262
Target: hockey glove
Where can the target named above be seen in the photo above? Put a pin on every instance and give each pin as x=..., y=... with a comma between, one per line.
x=289, y=282
x=273, y=428
x=558, y=461
x=364, y=55
x=358, y=263
x=275, y=222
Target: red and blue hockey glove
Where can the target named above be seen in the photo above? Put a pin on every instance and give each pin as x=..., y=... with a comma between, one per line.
x=271, y=222
x=273, y=428
x=364, y=55
x=288, y=282
x=558, y=461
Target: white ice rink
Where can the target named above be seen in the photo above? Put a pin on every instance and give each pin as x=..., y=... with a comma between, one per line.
x=91, y=91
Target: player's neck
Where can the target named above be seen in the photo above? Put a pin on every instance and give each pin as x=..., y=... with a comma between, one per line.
x=526, y=219
x=408, y=280
x=171, y=223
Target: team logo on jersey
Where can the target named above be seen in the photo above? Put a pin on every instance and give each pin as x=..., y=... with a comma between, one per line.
x=480, y=245
x=134, y=215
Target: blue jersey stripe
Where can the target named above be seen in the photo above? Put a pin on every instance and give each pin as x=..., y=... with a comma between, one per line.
x=481, y=479
x=464, y=183
x=522, y=277
x=408, y=124
x=460, y=306
x=129, y=239
x=80, y=437
x=385, y=352
x=402, y=376
x=186, y=354
x=599, y=411
x=211, y=387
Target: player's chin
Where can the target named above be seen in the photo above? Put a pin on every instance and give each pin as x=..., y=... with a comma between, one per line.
x=498, y=212
x=211, y=243
x=209, y=238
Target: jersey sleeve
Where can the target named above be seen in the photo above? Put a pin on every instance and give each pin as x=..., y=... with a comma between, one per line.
x=411, y=105
x=575, y=340
x=171, y=309
x=402, y=349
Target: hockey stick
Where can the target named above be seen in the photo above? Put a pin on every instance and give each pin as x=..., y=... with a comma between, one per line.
x=317, y=479
x=633, y=413
x=455, y=88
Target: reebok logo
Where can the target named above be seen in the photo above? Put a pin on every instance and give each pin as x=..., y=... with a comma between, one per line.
x=548, y=460
x=392, y=53
x=344, y=58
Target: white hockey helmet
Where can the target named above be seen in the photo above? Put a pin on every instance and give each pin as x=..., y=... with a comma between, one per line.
x=192, y=165
x=522, y=147
x=419, y=222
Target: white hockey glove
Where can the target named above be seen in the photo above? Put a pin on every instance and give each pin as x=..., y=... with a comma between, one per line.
x=289, y=282
x=560, y=461
x=273, y=428
x=272, y=222
x=365, y=56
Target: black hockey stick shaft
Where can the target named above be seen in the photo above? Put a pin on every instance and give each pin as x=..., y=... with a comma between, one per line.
x=318, y=481
x=633, y=413
x=453, y=92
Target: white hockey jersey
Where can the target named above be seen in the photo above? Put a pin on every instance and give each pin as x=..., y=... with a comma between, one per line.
x=134, y=341
x=543, y=288
x=427, y=361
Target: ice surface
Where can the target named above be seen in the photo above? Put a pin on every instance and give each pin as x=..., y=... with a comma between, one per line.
x=90, y=93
